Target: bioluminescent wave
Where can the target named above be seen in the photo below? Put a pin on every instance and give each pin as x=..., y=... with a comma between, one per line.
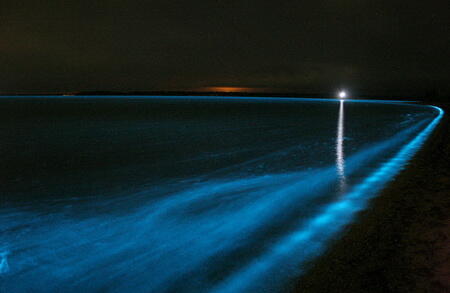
x=242, y=214
x=310, y=238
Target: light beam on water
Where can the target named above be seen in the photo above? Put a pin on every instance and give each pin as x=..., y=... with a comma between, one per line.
x=340, y=161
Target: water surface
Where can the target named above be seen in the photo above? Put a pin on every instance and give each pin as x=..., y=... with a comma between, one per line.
x=187, y=194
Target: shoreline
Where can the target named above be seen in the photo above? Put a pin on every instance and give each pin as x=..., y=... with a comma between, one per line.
x=401, y=242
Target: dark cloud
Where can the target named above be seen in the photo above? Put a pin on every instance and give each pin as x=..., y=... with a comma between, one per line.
x=300, y=45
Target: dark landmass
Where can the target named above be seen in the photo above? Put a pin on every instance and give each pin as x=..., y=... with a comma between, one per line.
x=402, y=242
x=254, y=93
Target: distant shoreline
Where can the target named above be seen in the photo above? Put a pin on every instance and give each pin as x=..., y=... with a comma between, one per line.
x=223, y=94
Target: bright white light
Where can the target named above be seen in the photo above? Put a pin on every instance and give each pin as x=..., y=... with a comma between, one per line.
x=342, y=94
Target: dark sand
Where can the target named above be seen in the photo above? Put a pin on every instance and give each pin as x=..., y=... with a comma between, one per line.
x=402, y=242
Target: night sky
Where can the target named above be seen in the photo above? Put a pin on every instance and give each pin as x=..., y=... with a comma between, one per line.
x=369, y=46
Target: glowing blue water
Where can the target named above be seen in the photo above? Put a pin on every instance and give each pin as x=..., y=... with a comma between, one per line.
x=226, y=230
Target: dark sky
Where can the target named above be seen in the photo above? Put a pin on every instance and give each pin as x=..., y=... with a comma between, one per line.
x=380, y=46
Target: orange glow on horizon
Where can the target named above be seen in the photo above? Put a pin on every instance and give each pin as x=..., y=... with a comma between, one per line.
x=227, y=89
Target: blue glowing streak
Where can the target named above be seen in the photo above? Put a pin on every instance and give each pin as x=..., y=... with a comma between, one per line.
x=4, y=267
x=310, y=239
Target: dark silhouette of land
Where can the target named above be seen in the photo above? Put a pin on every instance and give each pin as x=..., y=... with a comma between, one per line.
x=426, y=97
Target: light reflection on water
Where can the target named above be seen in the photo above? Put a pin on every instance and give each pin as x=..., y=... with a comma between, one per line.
x=340, y=160
x=217, y=235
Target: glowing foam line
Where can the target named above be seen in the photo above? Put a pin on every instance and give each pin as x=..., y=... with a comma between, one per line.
x=310, y=239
